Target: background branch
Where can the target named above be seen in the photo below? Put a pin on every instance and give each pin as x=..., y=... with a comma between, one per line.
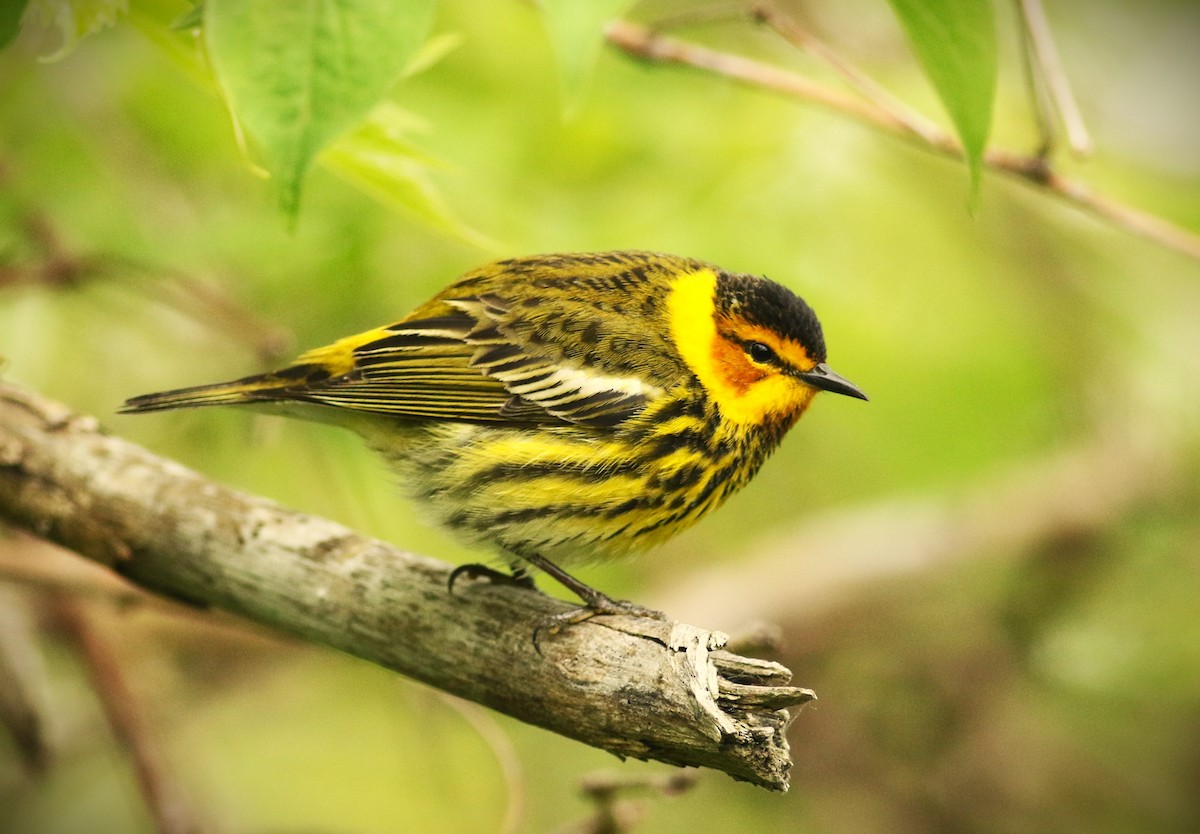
x=644, y=43
x=23, y=685
x=160, y=791
x=637, y=688
x=1046, y=65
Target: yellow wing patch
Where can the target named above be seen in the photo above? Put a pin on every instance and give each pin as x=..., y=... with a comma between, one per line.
x=338, y=358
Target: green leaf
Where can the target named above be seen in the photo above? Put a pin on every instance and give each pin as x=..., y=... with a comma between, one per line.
x=955, y=41
x=297, y=73
x=379, y=158
x=10, y=20
x=576, y=28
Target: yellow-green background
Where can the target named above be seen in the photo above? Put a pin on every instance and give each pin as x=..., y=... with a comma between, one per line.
x=1055, y=686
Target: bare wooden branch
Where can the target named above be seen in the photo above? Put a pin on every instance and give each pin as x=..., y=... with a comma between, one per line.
x=634, y=687
x=644, y=43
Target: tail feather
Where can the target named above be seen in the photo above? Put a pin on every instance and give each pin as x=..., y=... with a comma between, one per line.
x=280, y=385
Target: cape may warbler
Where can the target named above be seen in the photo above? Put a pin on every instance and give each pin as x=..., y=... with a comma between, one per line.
x=561, y=407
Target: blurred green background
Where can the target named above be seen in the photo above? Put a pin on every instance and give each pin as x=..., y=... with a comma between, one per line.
x=990, y=574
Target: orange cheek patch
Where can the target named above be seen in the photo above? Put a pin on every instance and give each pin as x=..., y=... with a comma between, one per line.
x=732, y=365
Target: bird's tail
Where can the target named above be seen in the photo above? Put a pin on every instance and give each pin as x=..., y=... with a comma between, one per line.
x=275, y=386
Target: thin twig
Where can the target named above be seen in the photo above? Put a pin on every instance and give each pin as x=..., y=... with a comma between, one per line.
x=1046, y=61
x=205, y=304
x=57, y=266
x=614, y=813
x=23, y=684
x=125, y=715
x=858, y=80
x=1039, y=97
x=70, y=577
x=643, y=43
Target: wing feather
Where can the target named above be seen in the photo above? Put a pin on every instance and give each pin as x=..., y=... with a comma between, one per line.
x=466, y=365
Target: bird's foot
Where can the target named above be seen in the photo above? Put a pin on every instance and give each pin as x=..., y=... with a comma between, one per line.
x=595, y=604
x=518, y=577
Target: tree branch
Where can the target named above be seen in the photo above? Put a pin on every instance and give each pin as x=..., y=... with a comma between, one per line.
x=1035, y=170
x=634, y=687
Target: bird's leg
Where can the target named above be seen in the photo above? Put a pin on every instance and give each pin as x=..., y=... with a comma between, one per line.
x=595, y=603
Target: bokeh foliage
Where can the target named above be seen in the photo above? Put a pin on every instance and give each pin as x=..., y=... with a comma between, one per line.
x=1048, y=684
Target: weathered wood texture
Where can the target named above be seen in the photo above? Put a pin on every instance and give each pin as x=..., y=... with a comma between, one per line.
x=634, y=687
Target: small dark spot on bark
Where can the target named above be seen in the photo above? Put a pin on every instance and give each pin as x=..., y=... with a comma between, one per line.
x=323, y=550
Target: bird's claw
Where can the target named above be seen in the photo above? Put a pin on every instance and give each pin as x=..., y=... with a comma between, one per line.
x=475, y=570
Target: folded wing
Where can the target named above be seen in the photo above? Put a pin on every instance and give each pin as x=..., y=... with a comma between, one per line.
x=467, y=365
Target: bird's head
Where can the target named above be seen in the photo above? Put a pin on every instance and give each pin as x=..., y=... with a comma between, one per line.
x=755, y=346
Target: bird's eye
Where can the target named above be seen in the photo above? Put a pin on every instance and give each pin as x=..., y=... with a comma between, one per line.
x=760, y=353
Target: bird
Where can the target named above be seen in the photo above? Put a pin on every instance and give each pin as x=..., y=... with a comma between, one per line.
x=563, y=408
